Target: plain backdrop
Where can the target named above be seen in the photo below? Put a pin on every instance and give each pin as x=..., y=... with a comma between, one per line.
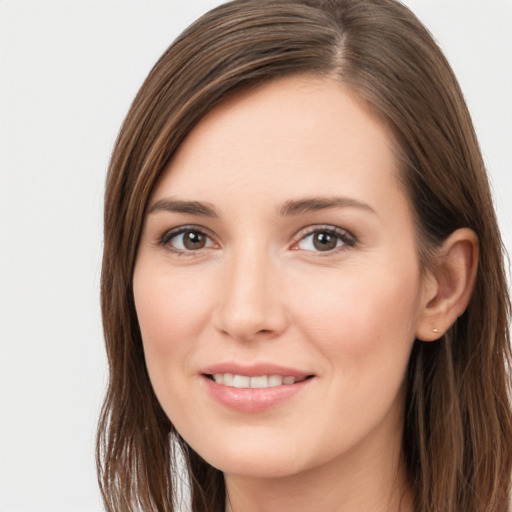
x=68, y=73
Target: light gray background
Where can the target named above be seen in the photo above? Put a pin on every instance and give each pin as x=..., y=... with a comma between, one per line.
x=68, y=73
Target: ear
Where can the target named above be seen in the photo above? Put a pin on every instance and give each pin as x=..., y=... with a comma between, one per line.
x=449, y=285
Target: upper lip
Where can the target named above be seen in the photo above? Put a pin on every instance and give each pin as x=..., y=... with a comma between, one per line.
x=254, y=370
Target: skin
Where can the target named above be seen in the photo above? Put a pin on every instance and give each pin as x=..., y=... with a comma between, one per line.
x=260, y=290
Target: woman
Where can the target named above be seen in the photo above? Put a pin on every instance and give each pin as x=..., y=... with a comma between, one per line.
x=303, y=285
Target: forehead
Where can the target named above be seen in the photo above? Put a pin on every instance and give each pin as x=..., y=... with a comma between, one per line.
x=294, y=136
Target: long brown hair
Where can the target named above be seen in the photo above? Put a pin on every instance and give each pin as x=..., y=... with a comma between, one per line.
x=457, y=439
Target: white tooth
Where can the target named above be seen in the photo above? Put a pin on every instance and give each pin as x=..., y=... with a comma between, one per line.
x=288, y=380
x=241, y=381
x=275, y=380
x=218, y=378
x=228, y=379
x=259, y=382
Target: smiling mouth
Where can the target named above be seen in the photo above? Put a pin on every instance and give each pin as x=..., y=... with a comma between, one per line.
x=256, y=382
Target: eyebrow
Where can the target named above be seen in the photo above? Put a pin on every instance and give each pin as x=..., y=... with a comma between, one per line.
x=170, y=204
x=289, y=208
x=306, y=205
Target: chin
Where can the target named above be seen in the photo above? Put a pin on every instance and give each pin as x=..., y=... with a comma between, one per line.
x=255, y=458
x=261, y=467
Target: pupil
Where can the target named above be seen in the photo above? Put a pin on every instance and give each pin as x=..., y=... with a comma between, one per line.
x=193, y=240
x=324, y=242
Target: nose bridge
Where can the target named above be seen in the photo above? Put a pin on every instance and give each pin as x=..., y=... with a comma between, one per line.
x=249, y=299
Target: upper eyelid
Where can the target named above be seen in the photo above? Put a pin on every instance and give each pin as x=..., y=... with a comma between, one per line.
x=308, y=230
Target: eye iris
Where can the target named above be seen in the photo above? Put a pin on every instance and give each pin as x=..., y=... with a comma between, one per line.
x=324, y=241
x=193, y=240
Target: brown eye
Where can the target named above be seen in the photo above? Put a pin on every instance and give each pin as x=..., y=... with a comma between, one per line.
x=328, y=239
x=324, y=241
x=183, y=240
x=193, y=240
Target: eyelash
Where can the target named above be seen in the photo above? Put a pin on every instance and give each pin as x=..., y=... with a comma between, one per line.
x=347, y=239
x=168, y=236
x=341, y=235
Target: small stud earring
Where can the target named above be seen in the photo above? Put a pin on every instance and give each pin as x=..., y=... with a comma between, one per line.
x=435, y=330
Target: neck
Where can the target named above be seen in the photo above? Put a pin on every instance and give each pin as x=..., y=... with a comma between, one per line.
x=369, y=480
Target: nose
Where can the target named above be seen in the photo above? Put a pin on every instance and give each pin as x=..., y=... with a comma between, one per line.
x=251, y=301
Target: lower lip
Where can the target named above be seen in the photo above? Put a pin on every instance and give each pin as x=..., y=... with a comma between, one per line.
x=253, y=399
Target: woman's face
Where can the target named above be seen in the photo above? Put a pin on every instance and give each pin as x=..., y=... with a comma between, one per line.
x=277, y=283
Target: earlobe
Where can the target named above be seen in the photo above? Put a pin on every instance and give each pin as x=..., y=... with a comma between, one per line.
x=448, y=288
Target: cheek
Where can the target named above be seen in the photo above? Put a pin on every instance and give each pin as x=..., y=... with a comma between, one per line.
x=362, y=316
x=364, y=327
x=171, y=312
x=168, y=308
